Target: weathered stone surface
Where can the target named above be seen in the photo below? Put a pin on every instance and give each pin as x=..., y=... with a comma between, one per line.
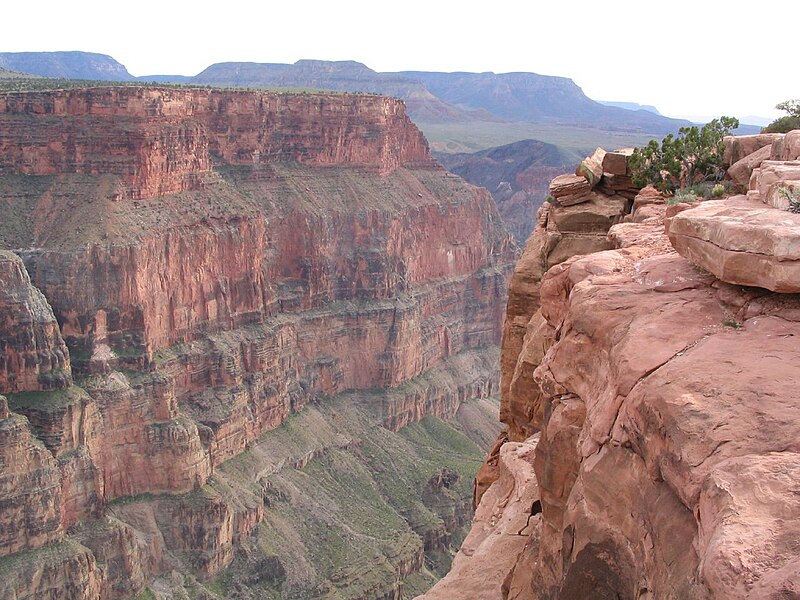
x=561, y=232
x=770, y=176
x=667, y=402
x=742, y=242
x=210, y=279
x=778, y=195
x=620, y=486
x=504, y=520
x=162, y=141
x=788, y=148
x=595, y=215
x=33, y=355
x=59, y=570
x=591, y=168
x=569, y=186
x=30, y=489
x=750, y=524
x=616, y=162
x=737, y=147
x=740, y=171
x=617, y=184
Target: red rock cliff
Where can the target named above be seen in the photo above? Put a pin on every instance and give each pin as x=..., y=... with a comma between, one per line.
x=216, y=261
x=162, y=140
x=661, y=404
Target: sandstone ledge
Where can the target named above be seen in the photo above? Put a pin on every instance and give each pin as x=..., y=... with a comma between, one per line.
x=742, y=242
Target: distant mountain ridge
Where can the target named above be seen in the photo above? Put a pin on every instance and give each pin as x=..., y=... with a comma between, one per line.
x=66, y=65
x=631, y=106
x=537, y=98
x=431, y=97
x=347, y=76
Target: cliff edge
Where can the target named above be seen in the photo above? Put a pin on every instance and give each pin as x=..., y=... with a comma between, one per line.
x=654, y=398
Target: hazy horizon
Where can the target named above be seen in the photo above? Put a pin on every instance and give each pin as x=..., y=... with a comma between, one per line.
x=676, y=57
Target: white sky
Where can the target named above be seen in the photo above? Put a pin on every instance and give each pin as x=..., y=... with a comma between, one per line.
x=687, y=57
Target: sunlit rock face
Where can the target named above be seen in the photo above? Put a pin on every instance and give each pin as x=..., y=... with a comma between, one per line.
x=663, y=399
x=190, y=269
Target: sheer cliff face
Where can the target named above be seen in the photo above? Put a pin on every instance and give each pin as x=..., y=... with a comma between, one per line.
x=651, y=410
x=215, y=261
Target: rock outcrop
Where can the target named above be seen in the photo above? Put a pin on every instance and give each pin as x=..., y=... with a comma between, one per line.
x=665, y=403
x=222, y=261
x=754, y=240
x=576, y=222
x=742, y=241
x=33, y=355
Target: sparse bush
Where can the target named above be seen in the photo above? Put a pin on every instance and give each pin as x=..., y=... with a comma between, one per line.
x=792, y=197
x=693, y=157
x=718, y=191
x=683, y=195
x=789, y=122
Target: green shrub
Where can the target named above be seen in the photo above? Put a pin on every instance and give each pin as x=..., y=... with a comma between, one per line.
x=718, y=191
x=789, y=122
x=693, y=157
x=782, y=125
x=684, y=195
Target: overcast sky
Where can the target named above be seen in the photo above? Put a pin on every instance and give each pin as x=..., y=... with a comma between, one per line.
x=687, y=57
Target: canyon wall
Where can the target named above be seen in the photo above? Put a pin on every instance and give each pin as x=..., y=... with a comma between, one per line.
x=192, y=270
x=651, y=402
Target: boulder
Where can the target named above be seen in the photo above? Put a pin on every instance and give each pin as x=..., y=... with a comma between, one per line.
x=741, y=242
x=596, y=214
x=790, y=148
x=646, y=196
x=616, y=163
x=566, y=187
x=591, y=168
x=737, y=147
x=777, y=194
x=772, y=175
x=742, y=169
x=617, y=184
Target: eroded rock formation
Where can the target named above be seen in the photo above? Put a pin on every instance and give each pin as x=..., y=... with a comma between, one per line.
x=665, y=404
x=216, y=262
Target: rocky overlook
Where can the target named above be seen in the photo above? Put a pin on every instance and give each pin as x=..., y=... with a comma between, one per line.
x=227, y=316
x=649, y=388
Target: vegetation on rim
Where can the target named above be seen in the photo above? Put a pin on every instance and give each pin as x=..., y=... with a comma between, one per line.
x=693, y=157
x=786, y=123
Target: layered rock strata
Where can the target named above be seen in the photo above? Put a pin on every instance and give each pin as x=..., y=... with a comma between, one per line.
x=222, y=260
x=162, y=141
x=665, y=403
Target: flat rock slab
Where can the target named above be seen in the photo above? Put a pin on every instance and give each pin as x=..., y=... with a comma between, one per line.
x=569, y=186
x=741, y=241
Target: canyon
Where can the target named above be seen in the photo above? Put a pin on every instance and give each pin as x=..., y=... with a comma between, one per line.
x=248, y=345
x=649, y=390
